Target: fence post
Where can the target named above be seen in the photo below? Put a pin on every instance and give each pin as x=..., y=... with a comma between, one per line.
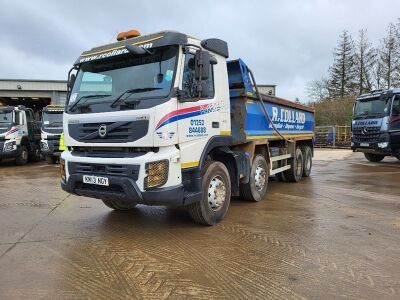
x=334, y=136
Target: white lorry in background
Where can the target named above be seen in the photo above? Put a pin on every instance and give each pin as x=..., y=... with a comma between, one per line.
x=52, y=126
x=165, y=119
x=19, y=135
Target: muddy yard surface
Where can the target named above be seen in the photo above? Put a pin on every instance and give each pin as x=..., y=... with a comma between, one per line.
x=334, y=235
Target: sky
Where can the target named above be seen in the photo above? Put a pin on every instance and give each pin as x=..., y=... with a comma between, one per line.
x=287, y=43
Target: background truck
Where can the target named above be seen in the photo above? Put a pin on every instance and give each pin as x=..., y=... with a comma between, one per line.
x=376, y=124
x=19, y=134
x=165, y=119
x=52, y=126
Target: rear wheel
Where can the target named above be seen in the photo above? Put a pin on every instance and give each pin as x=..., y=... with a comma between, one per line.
x=374, y=157
x=307, y=160
x=22, y=157
x=118, y=205
x=216, y=186
x=295, y=173
x=256, y=188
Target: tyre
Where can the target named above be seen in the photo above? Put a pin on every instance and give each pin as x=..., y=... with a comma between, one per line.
x=216, y=187
x=35, y=155
x=22, y=157
x=256, y=188
x=281, y=176
x=307, y=160
x=374, y=157
x=51, y=160
x=118, y=205
x=295, y=173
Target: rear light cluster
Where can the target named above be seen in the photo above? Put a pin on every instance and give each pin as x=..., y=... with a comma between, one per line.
x=157, y=174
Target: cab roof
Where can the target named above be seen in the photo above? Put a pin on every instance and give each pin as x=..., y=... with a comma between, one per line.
x=379, y=93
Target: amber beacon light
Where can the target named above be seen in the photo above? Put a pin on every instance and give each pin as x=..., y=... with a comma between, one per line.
x=128, y=34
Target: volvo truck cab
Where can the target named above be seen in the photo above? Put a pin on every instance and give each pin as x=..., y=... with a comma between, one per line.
x=376, y=124
x=52, y=127
x=19, y=135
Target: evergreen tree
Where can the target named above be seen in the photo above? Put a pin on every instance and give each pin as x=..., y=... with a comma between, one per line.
x=366, y=59
x=389, y=57
x=343, y=72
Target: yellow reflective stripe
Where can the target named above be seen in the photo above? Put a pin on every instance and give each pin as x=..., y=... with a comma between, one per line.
x=257, y=137
x=120, y=47
x=61, y=147
x=225, y=132
x=189, y=164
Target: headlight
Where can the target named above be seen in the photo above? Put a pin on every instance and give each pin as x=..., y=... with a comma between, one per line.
x=62, y=170
x=44, y=146
x=157, y=174
x=383, y=145
x=10, y=146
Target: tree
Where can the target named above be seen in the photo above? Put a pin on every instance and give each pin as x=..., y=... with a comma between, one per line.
x=318, y=89
x=366, y=59
x=389, y=57
x=343, y=72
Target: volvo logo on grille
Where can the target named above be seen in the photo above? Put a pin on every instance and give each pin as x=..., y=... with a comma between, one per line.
x=364, y=131
x=103, y=131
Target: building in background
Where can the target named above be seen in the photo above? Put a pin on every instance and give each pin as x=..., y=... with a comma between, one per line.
x=267, y=89
x=35, y=94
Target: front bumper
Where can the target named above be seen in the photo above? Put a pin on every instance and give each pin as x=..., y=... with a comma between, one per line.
x=8, y=154
x=126, y=178
x=50, y=147
x=125, y=190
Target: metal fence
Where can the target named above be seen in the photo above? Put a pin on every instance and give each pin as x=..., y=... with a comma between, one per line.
x=332, y=136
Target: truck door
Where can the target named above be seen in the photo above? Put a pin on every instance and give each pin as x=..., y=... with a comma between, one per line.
x=197, y=119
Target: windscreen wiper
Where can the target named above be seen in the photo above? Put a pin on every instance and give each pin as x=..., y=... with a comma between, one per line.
x=133, y=91
x=86, y=97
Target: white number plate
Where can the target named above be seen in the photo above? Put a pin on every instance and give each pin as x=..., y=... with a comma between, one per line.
x=95, y=180
x=364, y=145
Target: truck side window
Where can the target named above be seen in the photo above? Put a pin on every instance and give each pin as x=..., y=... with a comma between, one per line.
x=189, y=83
x=396, y=107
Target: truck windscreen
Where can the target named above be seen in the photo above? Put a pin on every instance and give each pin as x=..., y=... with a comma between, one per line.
x=375, y=107
x=106, y=85
x=6, y=118
x=52, y=119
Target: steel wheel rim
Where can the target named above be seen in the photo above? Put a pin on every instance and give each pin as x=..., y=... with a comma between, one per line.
x=308, y=164
x=216, y=193
x=260, y=178
x=24, y=154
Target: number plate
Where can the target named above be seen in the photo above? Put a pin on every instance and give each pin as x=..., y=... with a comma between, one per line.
x=95, y=180
x=364, y=145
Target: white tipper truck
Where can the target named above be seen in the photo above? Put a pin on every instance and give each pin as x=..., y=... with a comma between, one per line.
x=165, y=119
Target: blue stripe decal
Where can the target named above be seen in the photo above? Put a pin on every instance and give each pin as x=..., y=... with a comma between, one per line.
x=179, y=117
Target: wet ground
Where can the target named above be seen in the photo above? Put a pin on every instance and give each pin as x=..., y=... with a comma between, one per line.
x=334, y=235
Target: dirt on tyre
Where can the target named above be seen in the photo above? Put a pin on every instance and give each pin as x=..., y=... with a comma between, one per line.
x=372, y=157
x=307, y=160
x=216, y=188
x=117, y=205
x=256, y=188
x=295, y=173
x=22, y=158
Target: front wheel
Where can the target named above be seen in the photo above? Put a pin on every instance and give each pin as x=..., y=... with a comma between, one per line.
x=256, y=188
x=216, y=188
x=374, y=157
x=22, y=157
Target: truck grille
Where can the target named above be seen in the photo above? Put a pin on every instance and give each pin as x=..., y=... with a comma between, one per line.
x=131, y=171
x=366, y=134
x=113, y=132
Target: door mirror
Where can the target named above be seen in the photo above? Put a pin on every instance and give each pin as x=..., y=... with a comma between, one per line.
x=202, y=64
x=71, y=81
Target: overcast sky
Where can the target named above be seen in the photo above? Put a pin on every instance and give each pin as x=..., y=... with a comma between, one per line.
x=286, y=43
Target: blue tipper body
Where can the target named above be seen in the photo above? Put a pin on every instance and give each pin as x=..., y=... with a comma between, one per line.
x=248, y=121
